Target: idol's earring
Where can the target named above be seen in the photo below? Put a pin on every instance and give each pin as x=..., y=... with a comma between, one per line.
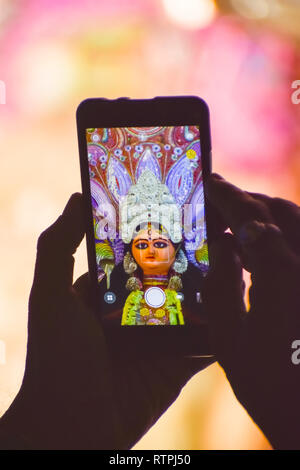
x=181, y=263
x=130, y=267
x=179, y=266
x=129, y=264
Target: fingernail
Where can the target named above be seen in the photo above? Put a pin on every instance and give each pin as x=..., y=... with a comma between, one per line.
x=250, y=232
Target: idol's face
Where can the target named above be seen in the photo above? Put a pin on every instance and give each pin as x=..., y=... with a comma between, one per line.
x=153, y=252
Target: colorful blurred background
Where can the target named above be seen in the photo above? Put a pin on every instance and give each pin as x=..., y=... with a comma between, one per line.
x=241, y=56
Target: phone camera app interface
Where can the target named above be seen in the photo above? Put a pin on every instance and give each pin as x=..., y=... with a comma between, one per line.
x=149, y=223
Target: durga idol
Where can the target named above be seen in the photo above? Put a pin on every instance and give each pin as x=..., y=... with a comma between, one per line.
x=151, y=227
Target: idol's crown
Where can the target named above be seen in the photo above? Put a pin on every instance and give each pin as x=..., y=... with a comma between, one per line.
x=149, y=201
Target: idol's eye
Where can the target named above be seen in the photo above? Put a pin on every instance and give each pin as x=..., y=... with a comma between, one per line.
x=141, y=245
x=160, y=244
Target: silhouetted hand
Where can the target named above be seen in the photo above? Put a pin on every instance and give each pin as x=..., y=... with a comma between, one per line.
x=74, y=395
x=255, y=347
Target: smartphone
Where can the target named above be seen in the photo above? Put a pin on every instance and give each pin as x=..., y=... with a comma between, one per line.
x=148, y=223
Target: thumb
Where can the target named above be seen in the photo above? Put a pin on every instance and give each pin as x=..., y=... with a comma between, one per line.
x=274, y=268
x=223, y=297
x=56, y=245
x=265, y=248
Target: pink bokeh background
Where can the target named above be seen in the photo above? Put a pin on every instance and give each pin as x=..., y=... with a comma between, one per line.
x=54, y=54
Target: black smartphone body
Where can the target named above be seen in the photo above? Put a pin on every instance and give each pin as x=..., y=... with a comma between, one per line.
x=148, y=223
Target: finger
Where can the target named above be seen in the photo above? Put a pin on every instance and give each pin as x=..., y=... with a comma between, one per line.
x=223, y=297
x=286, y=215
x=84, y=290
x=155, y=384
x=169, y=376
x=267, y=251
x=56, y=245
x=236, y=206
x=82, y=284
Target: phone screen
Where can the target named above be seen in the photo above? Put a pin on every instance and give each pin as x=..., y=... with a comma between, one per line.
x=150, y=237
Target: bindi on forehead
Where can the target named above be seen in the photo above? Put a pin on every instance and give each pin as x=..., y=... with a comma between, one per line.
x=149, y=235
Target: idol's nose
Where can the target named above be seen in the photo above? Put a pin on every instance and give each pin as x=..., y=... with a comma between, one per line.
x=151, y=249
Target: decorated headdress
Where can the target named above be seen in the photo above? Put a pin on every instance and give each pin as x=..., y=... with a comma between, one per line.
x=149, y=201
x=152, y=175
